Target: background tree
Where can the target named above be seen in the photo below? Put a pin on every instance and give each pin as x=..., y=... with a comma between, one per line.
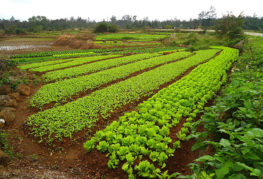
x=207, y=18
x=230, y=26
x=105, y=27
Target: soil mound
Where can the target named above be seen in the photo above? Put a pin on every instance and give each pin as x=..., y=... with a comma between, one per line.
x=80, y=41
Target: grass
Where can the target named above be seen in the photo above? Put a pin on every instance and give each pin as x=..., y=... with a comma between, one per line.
x=130, y=36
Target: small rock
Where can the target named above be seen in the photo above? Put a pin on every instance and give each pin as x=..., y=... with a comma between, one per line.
x=12, y=79
x=5, y=89
x=23, y=89
x=8, y=114
x=2, y=123
x=14, y=95
x=6, y=101
x=4, y=158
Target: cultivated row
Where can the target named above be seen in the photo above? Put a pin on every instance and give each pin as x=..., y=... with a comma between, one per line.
x=75, y=62
x=41, y=64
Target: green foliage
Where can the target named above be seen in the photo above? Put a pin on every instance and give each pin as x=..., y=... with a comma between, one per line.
x=20, y=31
x=36, y=57
x=236, y=122
x=230, y=27
x=140, y=129
x=146, y=170
x=7, y=64
x=68, y=63
x=63, y=121
x=105, y=27
x=130, y=36
x=4, y=144
x=64, y=89
x=88, y=68
x=191, y=39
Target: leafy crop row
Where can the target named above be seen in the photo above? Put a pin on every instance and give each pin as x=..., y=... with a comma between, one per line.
x=75, y=71
x=234, y=123
x=52, y=53
x=64, y=121
x=146, y=132
x=77, y=61
x=60, y=90
x=41, y=64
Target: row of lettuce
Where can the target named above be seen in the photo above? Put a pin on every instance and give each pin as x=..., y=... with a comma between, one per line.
x=64, y=63
x=141, y=139
x=64, y=121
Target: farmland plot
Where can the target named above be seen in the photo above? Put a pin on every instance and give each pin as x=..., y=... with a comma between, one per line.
x=162, y=90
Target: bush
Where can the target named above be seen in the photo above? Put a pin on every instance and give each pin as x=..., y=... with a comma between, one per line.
x=20, y=31
x=2, y=32
x=4, y=144
x=112, y=28
x=6, y=64
x=101, y=27
x=191, y=39
x=104, y=27
x=230, y=26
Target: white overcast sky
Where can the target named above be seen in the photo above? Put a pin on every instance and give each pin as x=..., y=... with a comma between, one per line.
x=103, y=9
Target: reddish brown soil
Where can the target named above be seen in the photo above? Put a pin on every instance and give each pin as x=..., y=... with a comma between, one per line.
x=70, y=158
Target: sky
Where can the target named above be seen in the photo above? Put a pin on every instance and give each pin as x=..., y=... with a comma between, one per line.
x=104, y=9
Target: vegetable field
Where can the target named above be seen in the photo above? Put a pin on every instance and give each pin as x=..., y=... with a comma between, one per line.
x=124, y=104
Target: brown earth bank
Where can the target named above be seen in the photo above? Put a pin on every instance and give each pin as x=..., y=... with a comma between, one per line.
x=70, y=160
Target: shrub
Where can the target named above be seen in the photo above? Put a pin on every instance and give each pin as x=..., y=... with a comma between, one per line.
x=112, y=28
x=230, y=27
x=101, y=27
x=20, y=31
x=104, y=27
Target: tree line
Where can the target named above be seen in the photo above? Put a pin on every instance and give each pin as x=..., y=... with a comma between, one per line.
x=206, y=20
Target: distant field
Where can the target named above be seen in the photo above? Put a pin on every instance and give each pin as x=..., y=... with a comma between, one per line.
x=130, y=36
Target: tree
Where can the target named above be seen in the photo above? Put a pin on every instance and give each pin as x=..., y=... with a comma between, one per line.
x=105, y=27
x=113, y=19
x=207, y=18
x=230, y=26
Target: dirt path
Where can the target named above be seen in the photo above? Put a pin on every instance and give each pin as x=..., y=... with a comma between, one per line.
x=254, y=34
